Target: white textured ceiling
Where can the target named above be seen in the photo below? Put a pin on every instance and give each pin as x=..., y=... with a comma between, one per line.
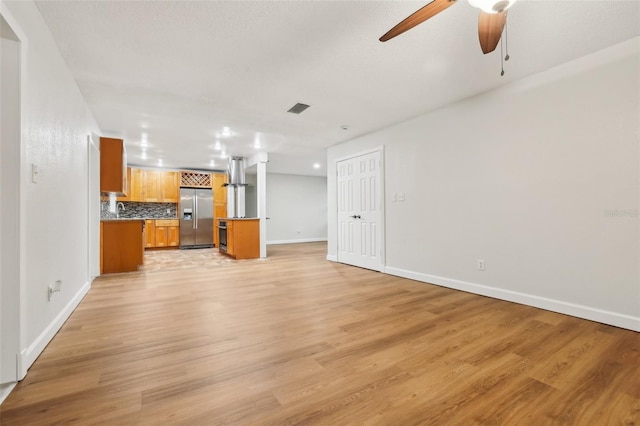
x=180, y=72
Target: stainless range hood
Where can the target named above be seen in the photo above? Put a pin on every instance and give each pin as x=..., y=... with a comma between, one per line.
x=235, y=197
x=235, y=172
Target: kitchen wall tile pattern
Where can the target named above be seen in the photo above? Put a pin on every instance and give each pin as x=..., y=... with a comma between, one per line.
x=141, y=210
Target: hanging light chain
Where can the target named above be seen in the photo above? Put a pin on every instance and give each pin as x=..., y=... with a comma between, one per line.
x=506, y=37
x=501, y=59
x=504, y=57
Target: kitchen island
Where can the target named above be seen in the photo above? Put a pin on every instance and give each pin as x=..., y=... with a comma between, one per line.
x=122, y=245
x=239, y=237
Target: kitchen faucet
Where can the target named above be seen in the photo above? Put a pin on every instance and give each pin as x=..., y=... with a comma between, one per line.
x=118, y=209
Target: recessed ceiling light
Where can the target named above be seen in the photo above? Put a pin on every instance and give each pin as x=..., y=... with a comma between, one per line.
x=143, y=155
x=217, y=146
x=160, y=162
x=316, y=166
x=212, y=163
x=226, y=132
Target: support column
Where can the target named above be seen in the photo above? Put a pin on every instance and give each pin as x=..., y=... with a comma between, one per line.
x=262, y=205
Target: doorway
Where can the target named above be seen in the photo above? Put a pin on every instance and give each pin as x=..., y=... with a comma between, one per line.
x=360, y=210
x=10, y=205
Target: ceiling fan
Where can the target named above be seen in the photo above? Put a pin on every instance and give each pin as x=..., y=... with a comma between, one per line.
x=493, y=16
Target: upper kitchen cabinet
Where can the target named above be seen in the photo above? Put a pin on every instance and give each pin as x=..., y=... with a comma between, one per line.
x=170, y=190
x=150, y=186
x=154, y=186
x=129, y=191
x=136, y=184
x=113, y=166
x=219, y=201
x=219, y=194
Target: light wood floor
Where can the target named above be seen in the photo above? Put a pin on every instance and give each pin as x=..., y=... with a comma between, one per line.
x=299, y=340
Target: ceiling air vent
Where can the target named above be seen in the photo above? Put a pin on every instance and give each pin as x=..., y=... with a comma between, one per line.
x=298, y=108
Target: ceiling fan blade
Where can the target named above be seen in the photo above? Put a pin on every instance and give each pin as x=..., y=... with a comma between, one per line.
x=490, y=27
x=418, y=17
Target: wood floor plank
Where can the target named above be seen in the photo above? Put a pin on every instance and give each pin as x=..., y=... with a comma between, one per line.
x=294, y=339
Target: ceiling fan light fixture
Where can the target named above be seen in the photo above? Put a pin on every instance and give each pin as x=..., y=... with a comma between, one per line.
x=492, y=6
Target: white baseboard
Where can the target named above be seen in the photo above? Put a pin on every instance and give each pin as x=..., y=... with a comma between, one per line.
x=301, y=240
x=580, y=311
x=332, y=257
x=30, y=354
x=5, y=390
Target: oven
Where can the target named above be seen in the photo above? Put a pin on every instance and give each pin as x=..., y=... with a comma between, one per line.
x=222, y=236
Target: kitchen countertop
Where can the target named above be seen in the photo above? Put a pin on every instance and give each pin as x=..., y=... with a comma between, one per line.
x=239, y=218
x=121, y=219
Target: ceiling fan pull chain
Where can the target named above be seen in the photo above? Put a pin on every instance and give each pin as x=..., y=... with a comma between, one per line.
x=501, y=58
x=506, y=38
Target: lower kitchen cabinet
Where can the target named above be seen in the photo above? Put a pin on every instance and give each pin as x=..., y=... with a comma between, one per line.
x=243, y=238
x=231, y=239
x=122, y=248
x=150, y=233
x=166, y=233
x=174, y=236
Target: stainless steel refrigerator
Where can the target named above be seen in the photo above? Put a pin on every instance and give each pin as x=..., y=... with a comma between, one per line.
x=196, y=218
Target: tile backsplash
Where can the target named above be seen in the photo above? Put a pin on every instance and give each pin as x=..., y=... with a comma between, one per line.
x=141, y=210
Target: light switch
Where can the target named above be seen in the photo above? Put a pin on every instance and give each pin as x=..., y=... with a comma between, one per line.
x=34, y=173
x=401, y=196
x=394, y=197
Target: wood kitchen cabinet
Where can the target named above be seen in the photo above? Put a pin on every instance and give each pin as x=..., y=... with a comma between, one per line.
x=154, y=186
x=161, y=236
x=219, y=201
x=113, y=166
x=173, y=237
x=136, y=185
x=126, y=197
x=167, y=233
x=150, y=186
x=170, y=187
x=243, y=238
x=121, y=245
x=150, y=233
x=231, y=247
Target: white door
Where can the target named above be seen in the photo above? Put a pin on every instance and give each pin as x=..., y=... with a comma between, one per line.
x=359, y=211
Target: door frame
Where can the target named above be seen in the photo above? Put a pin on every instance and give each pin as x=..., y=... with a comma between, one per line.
x=381, y=197
x=94, y=206
x=12, y=286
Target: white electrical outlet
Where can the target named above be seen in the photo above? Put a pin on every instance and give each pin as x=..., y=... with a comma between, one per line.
x=480, y=264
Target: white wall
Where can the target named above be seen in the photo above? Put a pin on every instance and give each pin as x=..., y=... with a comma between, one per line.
x=54, y=216
x=539, y=178
x=297, y=208
x=251, y=196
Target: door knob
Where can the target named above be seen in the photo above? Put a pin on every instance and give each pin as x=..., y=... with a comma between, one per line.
x=355, y=216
